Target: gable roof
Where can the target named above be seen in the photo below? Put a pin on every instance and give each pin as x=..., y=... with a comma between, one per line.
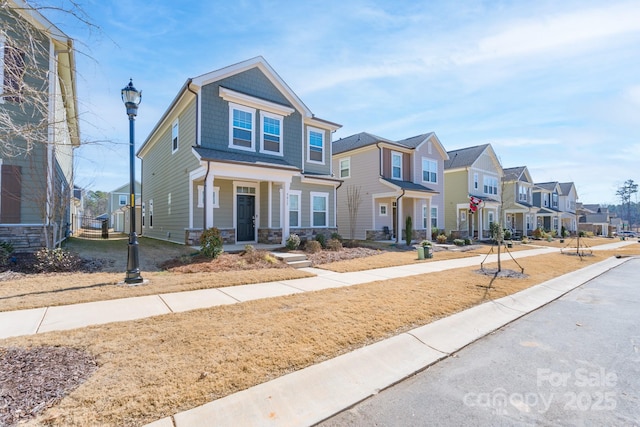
x=565, y=187
x=513, y=174
x=355, y=141
x=549, y=186
x=464, y=157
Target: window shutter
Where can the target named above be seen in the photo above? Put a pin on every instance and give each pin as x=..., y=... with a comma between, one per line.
x=10, y=194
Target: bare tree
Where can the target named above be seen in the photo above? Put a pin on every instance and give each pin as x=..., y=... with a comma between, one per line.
x=353, y=204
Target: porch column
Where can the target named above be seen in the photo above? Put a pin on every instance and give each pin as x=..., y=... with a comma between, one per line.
x=480, y=227
x=427, y=233
x=269, y=203
x=209, y=201
x=284, y=203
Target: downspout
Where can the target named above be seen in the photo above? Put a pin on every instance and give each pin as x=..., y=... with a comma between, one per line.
x=204, y=211
x=398, y=228
x=335, y=204
x=379, y=158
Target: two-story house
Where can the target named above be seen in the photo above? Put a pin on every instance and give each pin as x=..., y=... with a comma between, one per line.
x=385, y=182
x=239, y=151
x=567, y=205
x=517, y=201
x=473, y=190
x=546, y=197
x=38, y=128
x=119, y=210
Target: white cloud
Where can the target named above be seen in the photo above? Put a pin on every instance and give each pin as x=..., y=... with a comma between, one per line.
x=523, y=142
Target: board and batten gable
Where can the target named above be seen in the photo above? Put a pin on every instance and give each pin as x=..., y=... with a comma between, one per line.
x=215, y=113
x=169, y=190
x=364, y=174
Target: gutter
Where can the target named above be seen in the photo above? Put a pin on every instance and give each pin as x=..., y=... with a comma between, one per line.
x=379, y=158
x=197, y=111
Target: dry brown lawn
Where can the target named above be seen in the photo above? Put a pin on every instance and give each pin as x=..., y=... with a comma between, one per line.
x=155, y=367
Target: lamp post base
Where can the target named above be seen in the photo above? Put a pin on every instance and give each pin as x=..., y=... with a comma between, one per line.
x=133, y=269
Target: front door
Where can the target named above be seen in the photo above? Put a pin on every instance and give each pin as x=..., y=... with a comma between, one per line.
x=246, y=218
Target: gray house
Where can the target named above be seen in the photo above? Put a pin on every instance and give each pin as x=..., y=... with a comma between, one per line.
x=393, y=180
x=38, y=128
x=118, y=208
x=239, y=151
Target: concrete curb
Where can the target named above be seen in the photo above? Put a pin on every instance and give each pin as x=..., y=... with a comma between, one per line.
x=313, y=394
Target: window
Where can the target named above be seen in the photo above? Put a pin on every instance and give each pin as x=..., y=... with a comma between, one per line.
x=522, y=193
x=424, y=216
x=463, y=216
x=475, y=181
x=241, y=124
x=429, y=171
x=383, y=209
x=174, y=137
x=545, y=198
x=345, y=168
x=490, y=218
x=150, y=213
x=315, y=152
x=216, y=190
x=12, y=68
x=294, y=209
x=554, y=200
x=122, y=200
x=271, y=136
x=490, y=185
x=396, y=165
x=143, y=214
x=528, y=222
x=434, y=217
x=319, y=212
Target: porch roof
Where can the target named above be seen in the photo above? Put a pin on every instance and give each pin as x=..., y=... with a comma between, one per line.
x=545, y=211
x=408, y=185
x=210, y=154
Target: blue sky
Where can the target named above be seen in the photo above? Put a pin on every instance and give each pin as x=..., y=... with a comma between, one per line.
x=551, y=85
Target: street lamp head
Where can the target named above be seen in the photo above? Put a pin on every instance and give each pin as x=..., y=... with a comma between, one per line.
x=131, y=98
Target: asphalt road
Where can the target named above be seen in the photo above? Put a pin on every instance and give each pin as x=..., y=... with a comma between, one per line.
x=573, y=362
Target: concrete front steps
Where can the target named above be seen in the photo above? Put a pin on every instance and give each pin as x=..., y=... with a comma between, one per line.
x=294, y=260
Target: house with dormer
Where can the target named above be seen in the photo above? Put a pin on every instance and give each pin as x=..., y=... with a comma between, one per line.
x=238, y=150
x=517, y=196
x=387, y=181
x=473, y=191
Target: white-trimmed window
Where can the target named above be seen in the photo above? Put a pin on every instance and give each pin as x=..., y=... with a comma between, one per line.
x=490, y=185
x=490, y=217
x=144, y=225
x=463, y=215
x=319, y=209
x=174, y=137
x=345, y=168
x=545, y=198
x=429, y=170
x=216, y=192
x=294, y=208
x=475, y=181
x=122, y=200
x=396, y=165
x=434, y=216
x=424, y=216
x=522, y=193
x=150, y=213
x=315, y=146
x=383, y=209
x=241, y=127
x=270, y=133
x=554, y=201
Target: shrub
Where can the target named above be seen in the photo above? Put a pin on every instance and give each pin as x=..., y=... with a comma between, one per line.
x=425, y=243
x=408, y=230
x=322, y=240
x=293, y=242
x=434, y=233
x=564, y=232
x=313, y=246
x=525, y=240
x=467, y=241
x=6, y=249
x=538, y=233
x=334, y=245
x=211, y=243
x=249, y=249
x=458, y=242
x=441, y=238
x=507, y=234
x=336, y=236
x=56, y=261
x=582, y=234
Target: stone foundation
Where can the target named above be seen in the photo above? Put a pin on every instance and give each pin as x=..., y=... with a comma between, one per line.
x=192, y=236
x=24, y=238
x=271, y=236
x=311, y=233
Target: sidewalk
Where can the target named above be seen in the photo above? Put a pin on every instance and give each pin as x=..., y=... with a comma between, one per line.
x=46, y=319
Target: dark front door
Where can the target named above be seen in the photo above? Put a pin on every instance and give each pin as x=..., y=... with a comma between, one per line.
x=246, y=218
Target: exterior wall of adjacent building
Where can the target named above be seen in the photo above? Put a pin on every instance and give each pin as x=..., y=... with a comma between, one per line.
x=457, y=184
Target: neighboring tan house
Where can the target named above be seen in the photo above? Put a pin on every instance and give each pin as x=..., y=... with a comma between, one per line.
x=517, y=197
x=567, y=205
x=546, y=198
x=239, y=151
x=118, y=208
x=473, y=187
x=393, y=180
x=39, y=128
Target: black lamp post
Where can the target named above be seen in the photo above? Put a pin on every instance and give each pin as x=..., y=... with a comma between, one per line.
x=131, y=98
